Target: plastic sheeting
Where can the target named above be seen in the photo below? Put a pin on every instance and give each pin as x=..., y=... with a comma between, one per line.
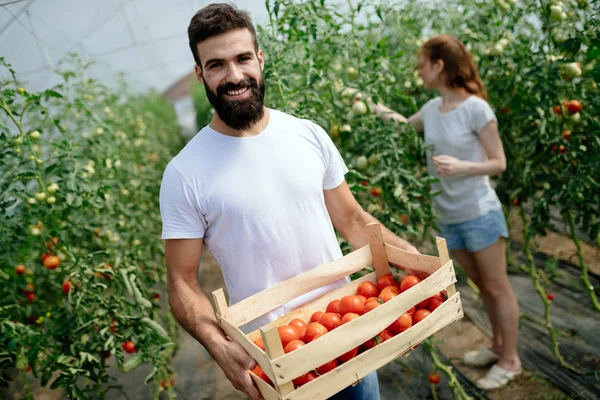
x=145, y=40
x=571, y=311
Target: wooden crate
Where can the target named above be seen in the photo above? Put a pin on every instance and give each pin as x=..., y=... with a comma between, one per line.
x=283, y=368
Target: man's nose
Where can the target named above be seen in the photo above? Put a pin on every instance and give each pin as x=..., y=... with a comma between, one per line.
x=234, y=74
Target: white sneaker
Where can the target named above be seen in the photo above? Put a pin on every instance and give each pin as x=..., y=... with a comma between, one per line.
x=480, y=358
x=496, y=378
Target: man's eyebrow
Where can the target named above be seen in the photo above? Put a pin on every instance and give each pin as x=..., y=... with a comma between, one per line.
x=214, y=60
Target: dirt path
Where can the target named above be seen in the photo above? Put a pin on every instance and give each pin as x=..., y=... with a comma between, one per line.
x=558, y=245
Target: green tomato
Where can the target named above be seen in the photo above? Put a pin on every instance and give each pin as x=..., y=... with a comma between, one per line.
x=556, y=13
x=359, y=108
x=362, y=162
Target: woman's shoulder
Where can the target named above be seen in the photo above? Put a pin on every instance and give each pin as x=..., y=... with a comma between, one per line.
x=431, y=104
x=477, y=103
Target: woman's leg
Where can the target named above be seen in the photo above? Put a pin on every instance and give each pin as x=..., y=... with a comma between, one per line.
x=467, y=260
x=504, y=309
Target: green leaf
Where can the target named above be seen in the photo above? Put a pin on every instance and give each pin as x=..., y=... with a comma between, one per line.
x=51, y=93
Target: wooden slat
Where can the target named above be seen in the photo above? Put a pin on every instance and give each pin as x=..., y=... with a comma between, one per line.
x=267, y=392
x=269, y=299
x=346, y=374
x=414, y=261
x=274, y=349
x=354, y=333
x=376, y=244
x=238, y=336
x=320, y=304
x=221, y=303
x=444, y=258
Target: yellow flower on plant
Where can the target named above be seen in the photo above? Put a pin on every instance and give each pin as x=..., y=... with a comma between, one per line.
x=39, y=320
x=48, y=315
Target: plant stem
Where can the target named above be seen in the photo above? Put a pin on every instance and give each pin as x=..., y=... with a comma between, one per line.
x=584, y=268
x=533, y=272
x=457, y=389
x=28, y=393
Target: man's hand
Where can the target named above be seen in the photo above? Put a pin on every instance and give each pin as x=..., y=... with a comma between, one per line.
x=236, y=363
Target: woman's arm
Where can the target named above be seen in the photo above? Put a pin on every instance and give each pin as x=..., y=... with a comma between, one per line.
x=494, y=165
x=386, y=114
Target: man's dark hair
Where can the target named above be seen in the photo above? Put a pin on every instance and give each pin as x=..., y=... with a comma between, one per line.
x=214, y=20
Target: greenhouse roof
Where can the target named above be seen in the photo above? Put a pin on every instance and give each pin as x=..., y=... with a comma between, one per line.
x=145, y=40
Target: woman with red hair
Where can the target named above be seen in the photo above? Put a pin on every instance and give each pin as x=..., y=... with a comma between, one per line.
x=462, y=129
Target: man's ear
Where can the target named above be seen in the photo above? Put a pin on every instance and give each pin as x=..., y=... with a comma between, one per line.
x=261, y=59
x=199, y=74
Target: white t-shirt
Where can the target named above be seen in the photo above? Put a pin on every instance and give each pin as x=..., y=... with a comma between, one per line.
x=456, y=133
x=258, y=202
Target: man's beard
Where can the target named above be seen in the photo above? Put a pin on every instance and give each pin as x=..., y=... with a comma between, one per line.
x=239, y=114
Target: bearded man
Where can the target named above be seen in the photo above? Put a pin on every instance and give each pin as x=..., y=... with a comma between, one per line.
x=264, y=191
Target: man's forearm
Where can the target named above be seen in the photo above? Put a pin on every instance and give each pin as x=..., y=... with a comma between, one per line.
x=194, y=312
x=357, y=233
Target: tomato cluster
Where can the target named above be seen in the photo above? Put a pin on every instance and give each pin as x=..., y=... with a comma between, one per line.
x=368, y=296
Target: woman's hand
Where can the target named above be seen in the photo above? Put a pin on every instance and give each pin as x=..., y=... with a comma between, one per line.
x=448, y=165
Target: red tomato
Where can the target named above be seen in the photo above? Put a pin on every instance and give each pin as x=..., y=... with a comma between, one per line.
x=66, y=287
x=369, y=344
x=20, y=269
x=420, y=315
x=408, y=282
x=300, y=326
x=333, y=307
x=367, y=289
x=386, y=280
x=293, y=345
x=371, y=306
x=401, y=324
x=385, y=335
x=31, y=297
x=411, y=311
x=434, y=378
x=425, y=303
x=362, y=298
x=51, y=262
x=288, y=333
x=316, y=316
x=261, y=374
x=330, y=320
x=304, y=379
x=393, y=289
x=351, y=304
x=128, y=346
x=574, y=106
x=323, y=369
x=387, y=296
x=434, y=303
x=349, y=355
x=349, y=317
x=313, y=329
x=550, y=296
x=370, y=299
x=259, y=342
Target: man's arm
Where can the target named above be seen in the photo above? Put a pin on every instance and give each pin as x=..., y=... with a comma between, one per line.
x=195, y=314
x=350, y=220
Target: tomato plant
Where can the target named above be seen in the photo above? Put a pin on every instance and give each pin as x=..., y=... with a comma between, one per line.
x=80, y=169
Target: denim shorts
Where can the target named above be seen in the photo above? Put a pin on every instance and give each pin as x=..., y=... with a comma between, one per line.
x=476, y=234
x=366, y=389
